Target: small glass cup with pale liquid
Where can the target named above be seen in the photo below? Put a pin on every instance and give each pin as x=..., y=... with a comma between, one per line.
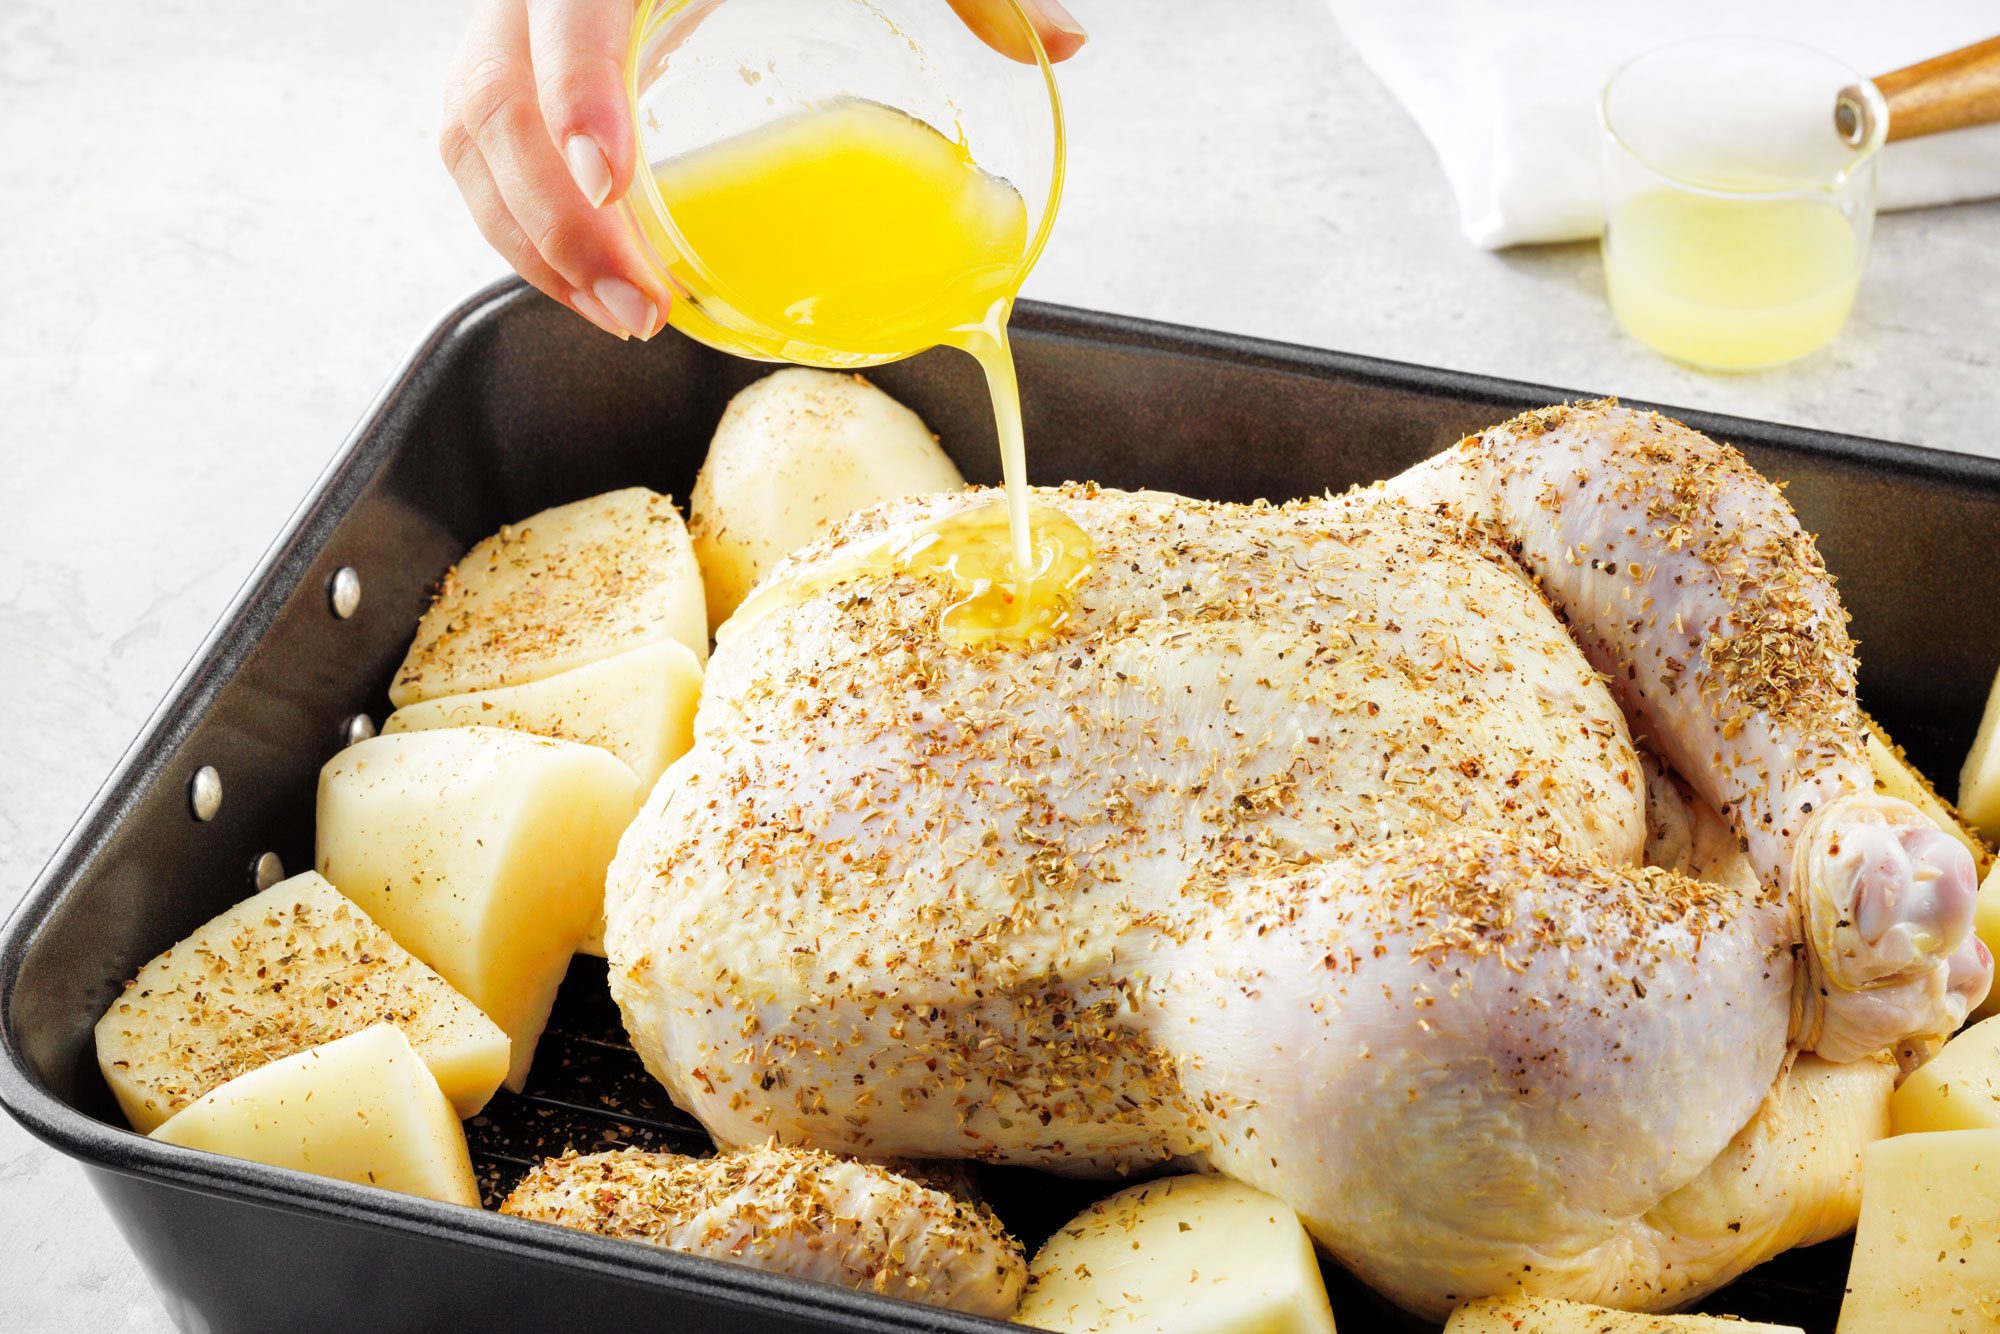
x=1737, y=216
x=843, y=183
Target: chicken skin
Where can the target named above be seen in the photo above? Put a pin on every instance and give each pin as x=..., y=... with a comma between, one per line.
x=1314, y=853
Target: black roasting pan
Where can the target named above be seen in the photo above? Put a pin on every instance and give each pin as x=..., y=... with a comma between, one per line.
x=511, y=405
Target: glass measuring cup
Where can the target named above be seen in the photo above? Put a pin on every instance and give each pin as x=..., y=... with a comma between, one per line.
x=703, y=73
x=1737, y=215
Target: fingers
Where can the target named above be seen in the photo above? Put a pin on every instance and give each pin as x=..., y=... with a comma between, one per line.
x=538, y=138
x=497, y=225
x=521, y=190
x=993, y=22
x=578, y=48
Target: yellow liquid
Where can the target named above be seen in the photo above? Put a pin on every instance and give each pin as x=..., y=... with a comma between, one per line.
x=854, y=234
x=971, y=551
x=1730, y=284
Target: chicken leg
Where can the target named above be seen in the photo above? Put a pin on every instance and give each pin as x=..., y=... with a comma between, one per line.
x=1688, y=580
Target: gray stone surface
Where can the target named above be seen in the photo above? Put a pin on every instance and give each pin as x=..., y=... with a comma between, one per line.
x=225, y=222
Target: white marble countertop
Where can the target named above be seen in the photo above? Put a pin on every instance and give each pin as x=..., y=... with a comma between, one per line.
x=192, y=326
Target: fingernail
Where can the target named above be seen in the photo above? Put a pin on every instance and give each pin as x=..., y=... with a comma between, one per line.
x=588, y=166
x=1059, y=19
x=627, y=304
x=586, y=305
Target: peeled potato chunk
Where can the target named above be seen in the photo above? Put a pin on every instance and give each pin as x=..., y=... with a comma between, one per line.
x=1927, y=1248
x=1979, y=780
x=483, y=853
x=1895, y=776
x=638, y=705
x=1181, y=1255
x=361, y=1108
x=1957, y=1089
x=1986, y=925
x=794, y=453
x=569, y=586
x=1521, y=1314
x=296, y=966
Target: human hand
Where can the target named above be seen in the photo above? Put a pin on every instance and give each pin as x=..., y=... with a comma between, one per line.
x=536, y=133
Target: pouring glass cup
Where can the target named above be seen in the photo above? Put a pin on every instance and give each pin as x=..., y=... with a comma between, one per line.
x=1737, y=214
x=700, y=72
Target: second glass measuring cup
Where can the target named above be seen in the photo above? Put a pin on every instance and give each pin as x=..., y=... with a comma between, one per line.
x=1737, y=220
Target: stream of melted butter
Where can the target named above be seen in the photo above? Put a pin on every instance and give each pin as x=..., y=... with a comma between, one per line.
x=970, y=552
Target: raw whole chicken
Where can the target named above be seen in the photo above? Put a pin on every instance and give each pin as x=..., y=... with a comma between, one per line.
x=1314, y=853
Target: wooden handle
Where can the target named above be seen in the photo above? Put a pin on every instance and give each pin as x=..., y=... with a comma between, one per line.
x=1947, y=92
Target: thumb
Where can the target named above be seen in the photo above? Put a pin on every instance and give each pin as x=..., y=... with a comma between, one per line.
x=994, y=23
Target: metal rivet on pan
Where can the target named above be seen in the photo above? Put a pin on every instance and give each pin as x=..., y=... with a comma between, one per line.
x=268, y=871
x=205, y=792
x=344, y=592
x=357, y=730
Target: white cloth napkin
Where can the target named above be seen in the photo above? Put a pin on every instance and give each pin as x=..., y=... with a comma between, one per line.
x=1506, y=91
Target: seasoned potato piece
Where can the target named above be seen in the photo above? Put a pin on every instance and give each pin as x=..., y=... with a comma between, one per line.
x=1181, y=1255
x=1895, y=776
x=1986, y=925
x=569, y=586
x=794, y=453
x=1927, y=1248
x=361, y=1108
x=483, y=853
x=1957, y=1089
x=1979, y=780
x=638, y=705
x=296, y=966
x=1552, y=1315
